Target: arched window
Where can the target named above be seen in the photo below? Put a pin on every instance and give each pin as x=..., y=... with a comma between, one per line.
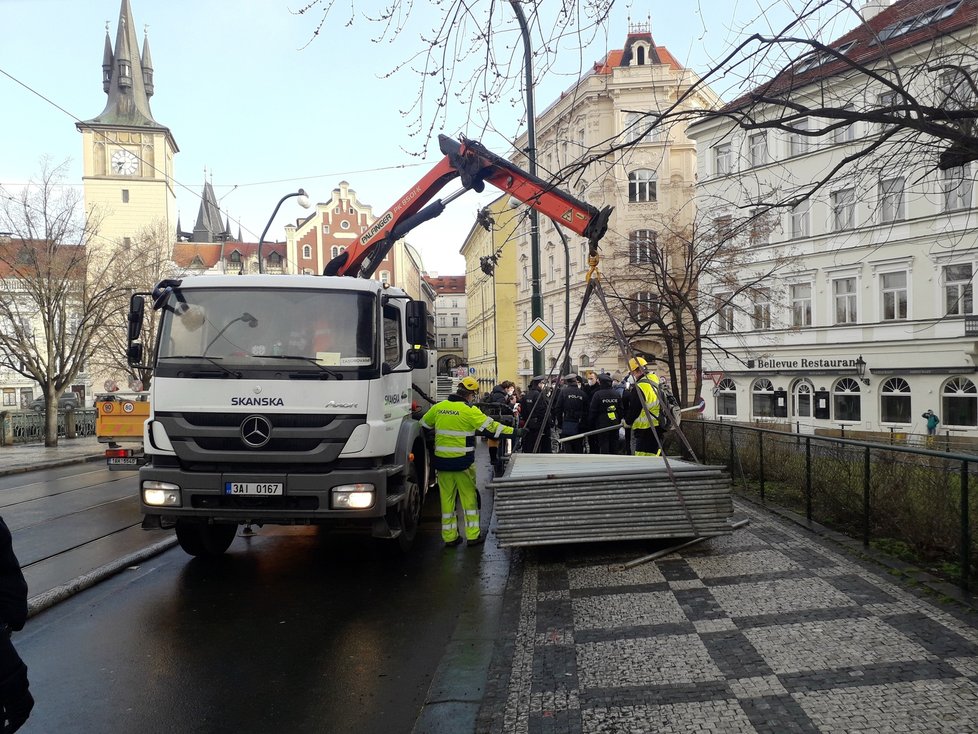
x=235, y=257
x=335, y=251
x=641, y=185
x=640, y=56
x=895, y=401
x=762, y=398
x=585, y=360
x=726, y=395
x=801, y=396
x=306, y=252
x=526, y=364
x=846, y=400
x=959, y=402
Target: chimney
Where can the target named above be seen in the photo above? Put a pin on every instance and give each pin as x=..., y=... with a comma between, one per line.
x=872, y=8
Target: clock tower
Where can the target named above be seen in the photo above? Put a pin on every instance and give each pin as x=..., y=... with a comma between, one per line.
x=128, y=156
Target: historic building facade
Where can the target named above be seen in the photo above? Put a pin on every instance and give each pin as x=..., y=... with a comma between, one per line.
x=862, y=324
x=451, y=336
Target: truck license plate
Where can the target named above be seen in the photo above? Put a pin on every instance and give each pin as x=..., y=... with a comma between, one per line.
x=253, y=488
x=124, y=460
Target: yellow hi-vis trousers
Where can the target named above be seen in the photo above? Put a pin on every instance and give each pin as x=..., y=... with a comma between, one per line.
x=453, y=486
x=647, y=442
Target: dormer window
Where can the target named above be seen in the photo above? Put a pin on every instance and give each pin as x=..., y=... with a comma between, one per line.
x=125, y=73
x=640, y=56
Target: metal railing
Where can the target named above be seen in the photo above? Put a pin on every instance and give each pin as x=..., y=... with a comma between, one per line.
x=28, y=425
x=915, y=503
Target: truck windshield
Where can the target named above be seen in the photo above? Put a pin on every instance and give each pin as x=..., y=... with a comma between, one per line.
x=256, y=328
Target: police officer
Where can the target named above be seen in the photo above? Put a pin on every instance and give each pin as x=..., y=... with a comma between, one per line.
x=642, y=410
x=604, y=411
x=533, y=407
x=571, y=412
x=455, y=422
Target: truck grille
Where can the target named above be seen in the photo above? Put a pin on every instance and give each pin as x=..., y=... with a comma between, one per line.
x=226, y=502
x=233, y=420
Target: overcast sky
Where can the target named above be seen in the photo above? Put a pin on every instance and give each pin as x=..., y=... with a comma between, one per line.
x=249, y=98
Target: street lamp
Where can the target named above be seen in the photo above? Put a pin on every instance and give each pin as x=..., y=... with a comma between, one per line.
x=303, y=202
x=861, y=370
x=536, y=302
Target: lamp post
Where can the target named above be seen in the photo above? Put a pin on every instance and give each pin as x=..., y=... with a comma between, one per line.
x=536, y=302
x=861, y=370
x=303, y=202
x=565, y=369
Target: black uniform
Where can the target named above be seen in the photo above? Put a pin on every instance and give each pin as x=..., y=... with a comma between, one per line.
x=15, y=696
x=604, y=411
x=571, y=413
x=533, y=407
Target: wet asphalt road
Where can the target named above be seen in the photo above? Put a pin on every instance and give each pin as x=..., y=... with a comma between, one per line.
x=292, y=630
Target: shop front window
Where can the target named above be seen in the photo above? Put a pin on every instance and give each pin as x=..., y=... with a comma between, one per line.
x=762, y=398
x=959, y=402
x=846, y=400
x=726, y=394
x=895, y=401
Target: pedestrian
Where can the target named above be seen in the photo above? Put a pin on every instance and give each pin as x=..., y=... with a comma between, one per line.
x=605, y=411
x=932, y=420
x=533, y=408
x=570, y=413
x=15, y=696
x=455, y=422
x=642, y=410
x=500, y=395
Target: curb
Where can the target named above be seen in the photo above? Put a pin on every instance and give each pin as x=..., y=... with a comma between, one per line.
x=53, y=464
x=47, y=599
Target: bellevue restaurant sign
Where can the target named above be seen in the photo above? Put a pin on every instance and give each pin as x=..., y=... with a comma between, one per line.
x=798, y=364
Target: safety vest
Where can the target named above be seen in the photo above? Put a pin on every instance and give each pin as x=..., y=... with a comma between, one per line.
x=651, y=400
x=455, y=423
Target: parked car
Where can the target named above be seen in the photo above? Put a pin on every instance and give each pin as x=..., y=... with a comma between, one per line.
x=67, y=401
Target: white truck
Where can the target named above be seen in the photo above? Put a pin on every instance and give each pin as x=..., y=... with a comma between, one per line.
x=288, y=399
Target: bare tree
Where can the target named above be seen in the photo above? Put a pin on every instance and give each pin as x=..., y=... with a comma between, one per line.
x=135, y=269
x=56, y=297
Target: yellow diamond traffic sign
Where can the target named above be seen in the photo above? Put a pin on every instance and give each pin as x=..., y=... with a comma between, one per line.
x=538, y=334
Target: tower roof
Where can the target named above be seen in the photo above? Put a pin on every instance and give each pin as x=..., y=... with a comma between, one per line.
x=125, y=82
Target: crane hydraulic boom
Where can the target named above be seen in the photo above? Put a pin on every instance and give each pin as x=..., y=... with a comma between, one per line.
x=473, y=165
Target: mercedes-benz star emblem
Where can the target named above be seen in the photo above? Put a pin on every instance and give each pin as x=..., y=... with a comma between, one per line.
x=256, y=431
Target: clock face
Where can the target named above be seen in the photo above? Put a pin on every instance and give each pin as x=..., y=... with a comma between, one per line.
x=124, y=163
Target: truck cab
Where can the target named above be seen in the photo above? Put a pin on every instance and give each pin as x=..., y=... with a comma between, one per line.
x=283, y=400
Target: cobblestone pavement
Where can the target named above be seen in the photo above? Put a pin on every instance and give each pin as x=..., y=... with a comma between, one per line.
x=766, y=630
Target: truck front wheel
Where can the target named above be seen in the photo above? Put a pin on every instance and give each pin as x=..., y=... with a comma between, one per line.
x=409, y=511
x=203, y=540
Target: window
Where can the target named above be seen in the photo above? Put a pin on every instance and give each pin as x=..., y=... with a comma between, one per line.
x=550, y=268
x=801, y=305
x=798, y=141
x=886, y=102
x=526, y=277
x=957, y=290
x=843, y=209
x=954, y=90
x=638, y=127
x=645, y=307
x=799, y=220
x=758, y=149
x=392, y=336
x=846, y=133
x=344, y=224
x=125, y=196
x=454, y=320
x=959, y=402
x=235, y=257
x=275, y=260
x=762, y=309
x=846, y=400
x=641, y=186
x=307, y=252
x=891, y=199
x=726, y=394
x=441, y=320
x=641, y=246
x=455, y=341
x=385, y=276
x=958, y=185
x=725, y=312
x=722, y=159
x=895, y=401
x=894, y=291
x=723, y=227
x=760, y=227
x=443, y=341
x=802, y=394
x=762, y=399
x=844, y=293
x=127, y=242
x=9, y=397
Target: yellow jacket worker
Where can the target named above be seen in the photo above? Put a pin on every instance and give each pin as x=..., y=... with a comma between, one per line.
x=455, y=422
x=643, y=409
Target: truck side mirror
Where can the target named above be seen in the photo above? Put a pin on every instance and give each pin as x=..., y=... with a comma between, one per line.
x=416, y=315
x=134, y=354
x=417, y=359
x=137, y=305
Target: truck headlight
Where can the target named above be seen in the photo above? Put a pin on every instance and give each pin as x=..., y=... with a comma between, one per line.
x=161, y=494
x=352, y=497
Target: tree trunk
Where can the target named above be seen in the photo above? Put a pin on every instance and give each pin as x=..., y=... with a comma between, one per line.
x=50, y=418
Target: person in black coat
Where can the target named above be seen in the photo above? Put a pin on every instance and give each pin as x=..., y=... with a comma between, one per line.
x=500, y=394
x=571, y=412
x=15, y=696
x=604, y=411
x=533, y=408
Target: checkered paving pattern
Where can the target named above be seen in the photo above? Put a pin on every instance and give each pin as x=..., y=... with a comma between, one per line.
x=767, y=630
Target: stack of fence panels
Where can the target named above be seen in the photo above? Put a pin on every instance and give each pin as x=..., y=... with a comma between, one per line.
x=547, y=499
